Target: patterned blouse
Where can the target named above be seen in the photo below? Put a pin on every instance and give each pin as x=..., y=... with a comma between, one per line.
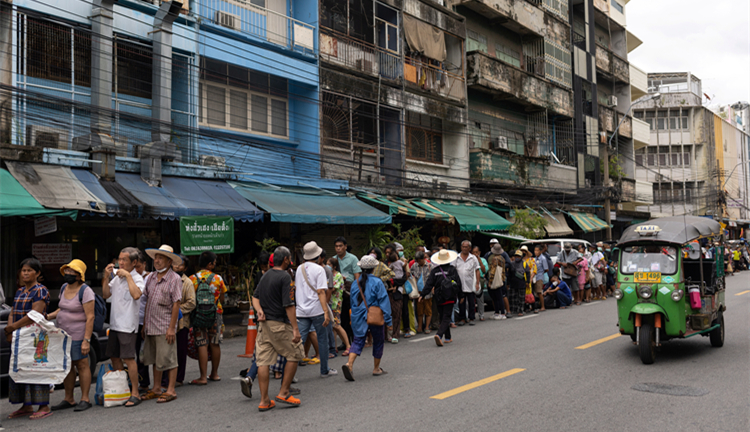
x=336, y=296
x=24, y=300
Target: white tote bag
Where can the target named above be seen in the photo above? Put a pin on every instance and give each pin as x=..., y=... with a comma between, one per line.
x=116, y=389
x=40, y=352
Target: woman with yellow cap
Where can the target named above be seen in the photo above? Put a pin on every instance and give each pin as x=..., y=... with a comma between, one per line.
x=75, y=315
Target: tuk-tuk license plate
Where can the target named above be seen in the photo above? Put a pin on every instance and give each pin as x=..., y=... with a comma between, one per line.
x=647, y=277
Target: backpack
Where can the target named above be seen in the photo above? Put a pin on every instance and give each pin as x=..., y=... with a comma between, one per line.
x=446, y=289
x=100, y=306
x=204, y=314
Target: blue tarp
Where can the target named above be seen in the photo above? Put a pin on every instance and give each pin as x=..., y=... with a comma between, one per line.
x=311, y=206
x=157, y=202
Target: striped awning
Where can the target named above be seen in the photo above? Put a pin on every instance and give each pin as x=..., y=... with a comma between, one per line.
x=556, y=226
x=401, y=206
x=470, y=215
x=588, y=222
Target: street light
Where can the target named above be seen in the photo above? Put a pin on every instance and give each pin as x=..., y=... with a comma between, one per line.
x=653, y=96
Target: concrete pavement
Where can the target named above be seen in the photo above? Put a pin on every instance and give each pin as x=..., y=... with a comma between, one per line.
x=518, y=374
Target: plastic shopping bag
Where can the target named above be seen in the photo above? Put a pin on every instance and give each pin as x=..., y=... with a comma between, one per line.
x=99, y=395
x=116, y=389
x=40, y=352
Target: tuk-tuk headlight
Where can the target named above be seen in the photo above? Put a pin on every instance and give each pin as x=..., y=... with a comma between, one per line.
x=618, y=294
x=677, y=294
x=645, y=291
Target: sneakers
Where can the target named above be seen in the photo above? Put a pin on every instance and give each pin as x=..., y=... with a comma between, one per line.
x=247, y=387
x=331, y=372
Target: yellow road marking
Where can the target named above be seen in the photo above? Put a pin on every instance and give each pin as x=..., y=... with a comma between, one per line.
x=597, y=342
x=743, y=292
x=474, y=385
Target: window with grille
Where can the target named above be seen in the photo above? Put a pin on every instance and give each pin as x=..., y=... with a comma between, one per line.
x=507, y=54
x=133, y=64
x=557, y=63
x=241, y=99
x=424, y=138
x=475, y=41
x=54, y=51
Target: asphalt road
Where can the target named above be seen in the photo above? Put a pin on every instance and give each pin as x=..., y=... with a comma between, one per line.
x=558, y=387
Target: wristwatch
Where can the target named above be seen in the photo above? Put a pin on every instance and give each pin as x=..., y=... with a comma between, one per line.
x=87, y=340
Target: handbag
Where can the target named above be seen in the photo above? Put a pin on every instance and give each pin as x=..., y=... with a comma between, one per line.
x=497, y=280
x=530, y=299
x=116, y=388
x=41, y=352
x=412, y=288
x=374, y=313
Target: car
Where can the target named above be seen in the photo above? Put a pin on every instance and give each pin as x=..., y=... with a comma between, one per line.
x=554, y=246
x=96, y=354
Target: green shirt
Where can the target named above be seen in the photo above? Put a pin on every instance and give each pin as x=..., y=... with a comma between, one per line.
x=348, y=266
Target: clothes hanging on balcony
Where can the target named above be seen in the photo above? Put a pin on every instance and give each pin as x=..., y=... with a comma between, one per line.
x=425, y=38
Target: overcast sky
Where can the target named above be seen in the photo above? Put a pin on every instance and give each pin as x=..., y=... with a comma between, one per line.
x=711, y=39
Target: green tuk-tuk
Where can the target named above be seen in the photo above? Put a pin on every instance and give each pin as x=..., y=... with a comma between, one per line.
x=665, y=287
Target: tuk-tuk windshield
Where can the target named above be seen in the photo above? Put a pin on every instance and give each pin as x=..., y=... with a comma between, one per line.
x=652, y=258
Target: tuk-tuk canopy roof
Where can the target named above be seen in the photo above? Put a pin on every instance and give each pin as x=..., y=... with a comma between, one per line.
x=677, y=230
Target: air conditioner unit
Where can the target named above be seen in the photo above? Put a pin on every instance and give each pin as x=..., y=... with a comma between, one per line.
x=45, y=136
x=213, y=161
x=228, y=20
x=612, y=101
x=364, y=65
x=500, y=143
x=443, y=186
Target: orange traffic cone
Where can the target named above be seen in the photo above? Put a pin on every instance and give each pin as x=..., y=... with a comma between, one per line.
x=252, y=333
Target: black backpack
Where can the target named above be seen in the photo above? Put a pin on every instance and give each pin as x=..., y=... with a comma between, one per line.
x=446, y=289
x=204, y=314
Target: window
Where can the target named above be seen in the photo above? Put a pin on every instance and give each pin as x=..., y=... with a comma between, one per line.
x=475, y=41
x=557, y=63
x=386, y=20
x=639, y=160
x=133, y=64
x=241, y=99
x=507, y=54
x=424, y=138
x=53, y=48
x=617, y=6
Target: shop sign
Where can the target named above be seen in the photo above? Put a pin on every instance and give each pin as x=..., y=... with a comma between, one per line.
x=45, y=225
x=53, y=253
x=206, y=233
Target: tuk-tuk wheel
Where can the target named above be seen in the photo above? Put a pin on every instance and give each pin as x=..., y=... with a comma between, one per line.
x=717, y=335
x=647, y=344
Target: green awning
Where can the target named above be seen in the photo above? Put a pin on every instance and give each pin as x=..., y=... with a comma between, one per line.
x=514, y=238
x=588, y=222
x=400, y=206
x=471, y=216
x=16, y=201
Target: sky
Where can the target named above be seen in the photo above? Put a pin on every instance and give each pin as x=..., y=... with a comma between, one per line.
x=711, y=39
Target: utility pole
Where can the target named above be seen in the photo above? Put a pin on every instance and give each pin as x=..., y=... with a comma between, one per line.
x=604, y=154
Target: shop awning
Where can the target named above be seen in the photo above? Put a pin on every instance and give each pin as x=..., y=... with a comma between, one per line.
x=508, y=237
x=556, y=226
x=303, y=205
x=16, y=201
x=588, y=222
x=111, y=193
x=55, y=187
x=470, y=216
x=155, y=202
x=400, y=206
x=211, y=198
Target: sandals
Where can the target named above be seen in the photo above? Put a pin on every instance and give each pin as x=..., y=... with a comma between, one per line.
x=394, y=341
x=134, y=401
x=20, y=413
x=150, y=395
x=289, y=400
x=313, y=361
x=197, y=383
x=345, y=353
x=331, y=356
x=164, y=398
x=268, y=407
x=428, y=331
x=382, y=372
x=63, y=405
x=213, y=379
x=348, y=374
x=40, y=415
x=438, y=342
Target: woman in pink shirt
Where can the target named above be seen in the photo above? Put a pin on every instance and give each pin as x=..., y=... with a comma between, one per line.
x=75, y=315
x=583, y=270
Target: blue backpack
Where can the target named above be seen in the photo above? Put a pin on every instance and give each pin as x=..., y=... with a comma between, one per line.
x=100, y=306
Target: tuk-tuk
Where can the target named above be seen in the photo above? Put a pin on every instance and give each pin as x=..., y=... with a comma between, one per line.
x=665, y=287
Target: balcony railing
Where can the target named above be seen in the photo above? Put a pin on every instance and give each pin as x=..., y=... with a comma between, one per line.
x=436, y=79
x=343, y=50
x=273, y=27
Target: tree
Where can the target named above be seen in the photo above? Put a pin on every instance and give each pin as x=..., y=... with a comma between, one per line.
x=528, y=224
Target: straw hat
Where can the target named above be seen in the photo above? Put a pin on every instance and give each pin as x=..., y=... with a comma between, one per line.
x=445, y=256
x=525, y=250
x=311, y=251
x=165, y=250
x=76, y=265
x=368, y=262
x=518, y=253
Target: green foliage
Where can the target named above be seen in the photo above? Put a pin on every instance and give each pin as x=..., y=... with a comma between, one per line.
x=615, y=170
x=381, y=236
x=409, y=239
x=528, y=224
x=377, y=236
x=268, y=244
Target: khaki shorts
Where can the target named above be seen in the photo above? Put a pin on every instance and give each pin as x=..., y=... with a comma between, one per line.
x=424, y=307
x=157, y=352
x=275, y=339
x=538, y=287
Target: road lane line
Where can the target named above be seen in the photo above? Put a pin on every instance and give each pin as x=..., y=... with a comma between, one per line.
x=476, y=384
x=597, y=342
x=527, y=316
x=743, y=292
x=423, y=339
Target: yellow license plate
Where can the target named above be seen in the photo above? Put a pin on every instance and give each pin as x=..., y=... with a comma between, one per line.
x=647, y=277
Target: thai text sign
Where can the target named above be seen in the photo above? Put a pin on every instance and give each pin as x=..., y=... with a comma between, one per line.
x=206, y=233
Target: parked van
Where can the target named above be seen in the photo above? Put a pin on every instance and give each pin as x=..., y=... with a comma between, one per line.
x=554, y=246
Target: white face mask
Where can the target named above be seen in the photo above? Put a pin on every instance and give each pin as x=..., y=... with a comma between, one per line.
x=554, y=283
x=162, y=270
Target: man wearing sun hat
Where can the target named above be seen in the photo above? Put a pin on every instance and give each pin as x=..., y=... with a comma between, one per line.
x=442, y=272
x=163, y=294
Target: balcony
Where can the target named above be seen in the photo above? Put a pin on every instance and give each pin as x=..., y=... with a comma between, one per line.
x=344, y=51
x=261, y=23
x=637, y=192
x=487, y=74
x=518, y=16
x=609, y=119
x=435, y=79
x=638, y=83
x=607, y=8
x=508, y=168
x=641, y=134
x=612, y=66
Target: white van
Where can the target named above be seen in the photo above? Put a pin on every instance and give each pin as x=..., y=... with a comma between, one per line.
x=554, y=246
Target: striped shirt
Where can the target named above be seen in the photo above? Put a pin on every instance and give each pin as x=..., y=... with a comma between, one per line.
x=160, y=296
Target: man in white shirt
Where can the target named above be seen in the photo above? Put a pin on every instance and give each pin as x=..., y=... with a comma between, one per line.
x=468, y=270
x=124, y=287
x=312, y=306
x=598, y=264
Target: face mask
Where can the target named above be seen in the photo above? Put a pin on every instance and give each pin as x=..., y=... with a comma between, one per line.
x=180, y=273
x=554, y=283
x=599, y=249
x=70, y=279
x=162, y=270
x=401, y=254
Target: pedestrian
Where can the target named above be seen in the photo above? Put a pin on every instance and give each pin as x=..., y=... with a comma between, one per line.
x=123, y=287
x=323, y=262
x=599, y=266
x=187, y=305
x=567, y=260
x=497, y=282
x=493, y=242
x=442, y=276
x=386, y=275
x=337, y=295
x=278, y=334
x=483, y=268
x=583, y=274
x=350, y=271
x=368, y=293
x=558, y=293
x=540, y=278
x=408, y=315
x=144, y=382
x=399, y=304
x=32, y=295
x=208, y=322
x=468, y=270
x=517, y=278
x=75, y=315
x=312, y=305
x=420, y=269
x=163, y=293
x=529, y=264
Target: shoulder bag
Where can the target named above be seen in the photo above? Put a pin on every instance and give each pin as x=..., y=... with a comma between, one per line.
x=568, y=268
x=374, y=313
x=304, y=275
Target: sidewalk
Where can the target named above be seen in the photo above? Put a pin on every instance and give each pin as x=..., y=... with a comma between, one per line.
x=234, y=330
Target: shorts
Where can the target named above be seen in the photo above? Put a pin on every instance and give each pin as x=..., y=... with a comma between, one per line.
x=214, y=335
x=598, y=278
x=157, y=352
x=573, y=284
x=121, y=345
x=424, y=307
x=75, y=351
x=538, y=287
x=275, y=339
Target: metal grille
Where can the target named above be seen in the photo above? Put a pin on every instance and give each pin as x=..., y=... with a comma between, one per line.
x=133, y=64
x=55, y=51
